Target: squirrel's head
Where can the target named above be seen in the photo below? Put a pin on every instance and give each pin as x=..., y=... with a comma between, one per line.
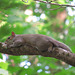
x=10, y=38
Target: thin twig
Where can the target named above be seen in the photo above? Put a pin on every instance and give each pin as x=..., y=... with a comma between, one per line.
x=67, y=5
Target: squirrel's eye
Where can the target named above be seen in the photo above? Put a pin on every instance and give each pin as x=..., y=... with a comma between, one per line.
x=8, y=37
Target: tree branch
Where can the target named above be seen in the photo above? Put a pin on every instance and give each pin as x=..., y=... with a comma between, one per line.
x=64, y=5
x=57, y=53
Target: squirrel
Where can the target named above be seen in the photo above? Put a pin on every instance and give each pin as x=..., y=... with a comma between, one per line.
x=38, y=41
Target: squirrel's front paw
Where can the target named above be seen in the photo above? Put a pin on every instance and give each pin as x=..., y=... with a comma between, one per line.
x=9, y=46
x=4, y=45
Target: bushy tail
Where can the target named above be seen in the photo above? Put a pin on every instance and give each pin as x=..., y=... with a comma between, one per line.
x=60, y=44
x=64, y=46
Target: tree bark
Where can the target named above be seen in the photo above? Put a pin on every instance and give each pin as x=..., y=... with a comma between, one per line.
x=57, y=53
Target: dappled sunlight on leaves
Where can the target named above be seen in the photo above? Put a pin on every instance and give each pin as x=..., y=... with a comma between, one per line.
x=36, y=18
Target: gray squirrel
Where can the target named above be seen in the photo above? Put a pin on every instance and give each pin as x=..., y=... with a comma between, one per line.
x=38, y=41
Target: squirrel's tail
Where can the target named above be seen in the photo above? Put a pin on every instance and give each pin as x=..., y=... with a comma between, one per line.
x=60, y=44
x=64, y=46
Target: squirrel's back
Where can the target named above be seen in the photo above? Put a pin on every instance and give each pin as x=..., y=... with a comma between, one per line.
x=42, y=37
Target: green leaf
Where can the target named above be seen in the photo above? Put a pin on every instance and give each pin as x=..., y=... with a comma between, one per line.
x=4, y=65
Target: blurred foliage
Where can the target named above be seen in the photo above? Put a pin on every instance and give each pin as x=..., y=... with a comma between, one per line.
x=37, y=18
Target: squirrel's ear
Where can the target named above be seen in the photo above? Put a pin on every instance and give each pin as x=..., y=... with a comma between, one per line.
x=13, y=34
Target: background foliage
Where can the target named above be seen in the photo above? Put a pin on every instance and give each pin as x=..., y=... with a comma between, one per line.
x=36, y=18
